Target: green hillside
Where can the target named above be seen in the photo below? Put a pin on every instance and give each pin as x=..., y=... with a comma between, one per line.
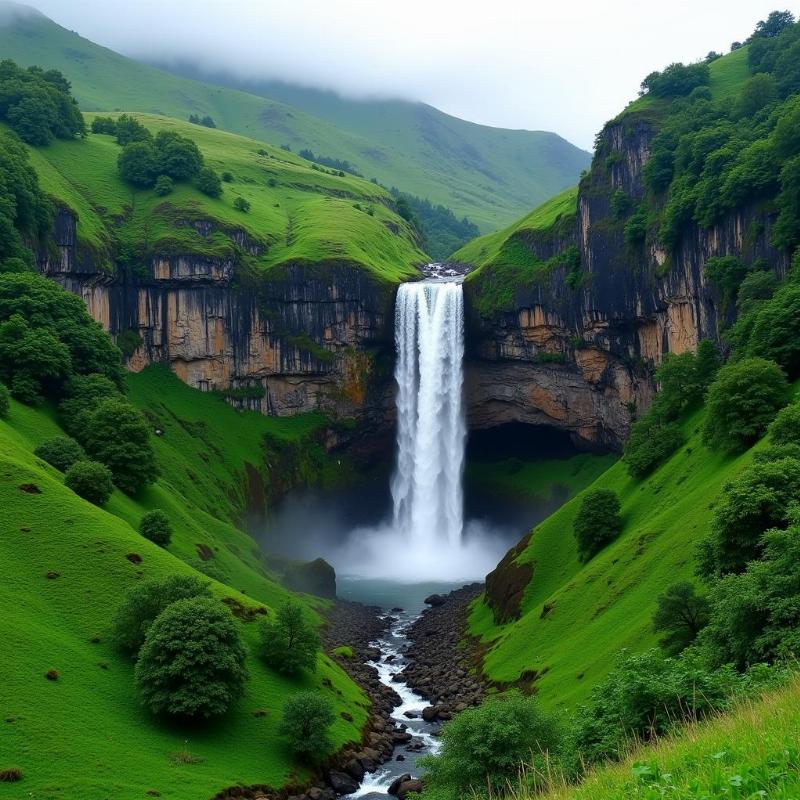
x=64, y=568
x=490, y=175
x=297, y=214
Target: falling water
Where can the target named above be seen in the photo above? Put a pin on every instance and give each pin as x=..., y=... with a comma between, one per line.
x=426, y=487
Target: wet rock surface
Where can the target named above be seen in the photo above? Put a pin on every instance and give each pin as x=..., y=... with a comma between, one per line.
x=439, y=668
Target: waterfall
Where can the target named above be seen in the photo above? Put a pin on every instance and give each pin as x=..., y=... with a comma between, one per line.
x=426, y=486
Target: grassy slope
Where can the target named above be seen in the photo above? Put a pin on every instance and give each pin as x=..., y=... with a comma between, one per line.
x=85, y=734
x=750, y=752
x=606, y=605
x=308, y=215
x=488, y=174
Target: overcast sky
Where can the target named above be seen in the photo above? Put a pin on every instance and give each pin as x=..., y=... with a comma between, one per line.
x=560, y=65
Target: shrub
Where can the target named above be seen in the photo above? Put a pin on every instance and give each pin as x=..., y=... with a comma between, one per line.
x=60, y=452
x=156, y=527
x=138, y=164
x=597, y=522
x=208, y=182
x=307, y=718
x=483, y=748
x=227, y=177
x=742, y=401
x=191, y=664
x=145, y=601
x=104, y=125
x=163, y=185
x=785, y=428
x=129, y=130
x=758, y=499
x=681, y=614
x=83, y=393
x=177, y=156
x=240, y=204
x=676, y=80
x=117, y=434
x=5, y=401
x=776, y=330
x=10, y=775
x=289, y=642
x=90, y=480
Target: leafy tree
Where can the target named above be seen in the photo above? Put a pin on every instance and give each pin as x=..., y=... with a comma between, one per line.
x=138, y=163
x=755, y=615
x=307, y=719
x=82, y=394
x=177, y=156
x=208, y=182
x=759, y=91
x=775, y=333
x=156, y=527
x=785, y=428
x=483, y=748
x=676, y=80
x=145, y=601
x=756, y=287
x=117, y=435
x=727, y=274
x=90, y=480
x=742, y=401
x=30, y=120
x=129, y=129
x=227, y=177
x=60, y=452
x=5, y=401
x=635, y=231
x=191, y=664
x=681, y=614
x=289, y=642
x=163, y=185
x=240, y=204
x=597, y=522
x=105, y=125
x=758, y=499
x=651, y=442
x=773, y=25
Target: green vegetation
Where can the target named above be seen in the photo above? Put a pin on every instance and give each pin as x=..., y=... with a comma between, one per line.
x=681, y=614
x=597, y=522
x=60, y=452
x=289, y=643
x=156, y=527
x=191, y=663
x=472, y=169
x=90, y=480
x=307, y=719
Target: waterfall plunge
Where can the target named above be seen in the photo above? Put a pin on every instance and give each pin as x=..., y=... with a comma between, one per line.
x=429, y=342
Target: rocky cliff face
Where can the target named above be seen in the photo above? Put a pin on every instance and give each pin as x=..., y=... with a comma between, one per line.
x=577, y=350
x=307, y=339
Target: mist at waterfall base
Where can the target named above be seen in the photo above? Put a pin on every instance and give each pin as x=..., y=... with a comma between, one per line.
x=414, y=526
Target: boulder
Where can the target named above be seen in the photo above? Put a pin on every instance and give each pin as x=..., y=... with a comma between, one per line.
x=342, y=783
x=398, y=782
x=355, y=769
x=407, y=787
x=430, y=713
x=435, y=600
x=316, y=577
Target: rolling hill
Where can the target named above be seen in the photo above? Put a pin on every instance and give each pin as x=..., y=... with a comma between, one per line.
x=491, y=175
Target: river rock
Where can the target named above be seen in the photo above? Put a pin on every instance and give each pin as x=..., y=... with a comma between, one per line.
x=429, y=713
x=315, y=577
x=405, y=788
x=398, y=782
x=342, y=783
x=355, y=769
x=435, y=600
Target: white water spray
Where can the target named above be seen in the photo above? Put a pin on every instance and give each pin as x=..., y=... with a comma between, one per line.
x=429, y=340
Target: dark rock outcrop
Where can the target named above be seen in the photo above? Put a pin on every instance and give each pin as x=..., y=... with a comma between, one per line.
x=316, y=577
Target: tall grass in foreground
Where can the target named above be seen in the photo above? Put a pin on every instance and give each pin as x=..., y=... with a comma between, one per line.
x=751, y=752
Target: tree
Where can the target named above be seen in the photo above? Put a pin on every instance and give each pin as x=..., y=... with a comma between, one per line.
x=104, y=125
x=289, y=642
x=5, y=401
x=163, y=185
x=759, y=91
x=307, y=718
x=681, y=614
x=597, y=522
x=650, y=443
x=742, y=401
x=117, y=434
x=177, y=156
x=192, y=662
x=145, y=601
x=483, y=748
x=758, y=499
x=90, y=480
x=138, y=163
x=30, y=119
x=240, y=204
x=676, y=80
x=129, y=129
x=773, y=25
x=776, y=330
x=82, y=395
x=156, y=527
x=785, y=428
x=60, y=452
x=208, y=182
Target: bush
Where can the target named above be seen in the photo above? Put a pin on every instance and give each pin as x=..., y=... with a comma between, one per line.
x=191, y=664
x=163, y=185
x=484, y=748
x=650, y=443
x=5, y=401
x=60, y=452
x=307, y=719
x=177, y=156
x=758, y=499
x=227, y=177
x=156, y=527
x=208, y=182
x=138, y=164
x=129, y=130
x=145, y=601
x=90, y=480
x=82, y=395
x=785, y=428
x=104, y=125
x=676, y=80
x=289, y=642
x=597, y=523
x=240, y=204
x=742, y=401
x=117, y=434
x=776, y=330
x=681, y=614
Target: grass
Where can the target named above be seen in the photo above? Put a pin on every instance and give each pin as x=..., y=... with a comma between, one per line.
x=297, y=215
x=751, y=752
x=575, y=617
x=491, y=175
x=64, y=565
